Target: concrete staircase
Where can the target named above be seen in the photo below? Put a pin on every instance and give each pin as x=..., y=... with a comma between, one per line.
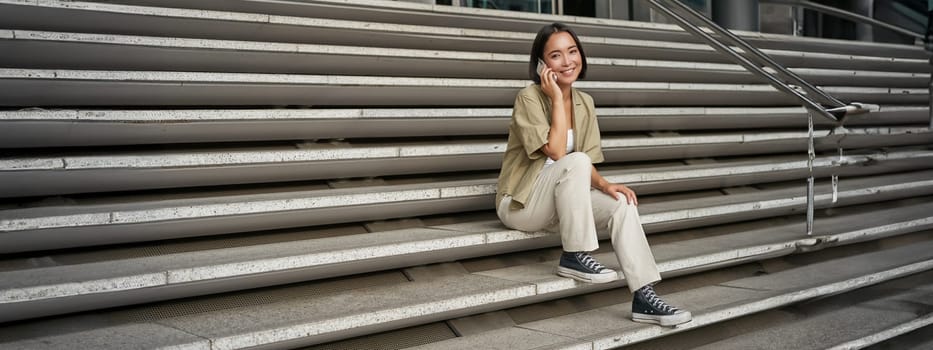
x=285, y=174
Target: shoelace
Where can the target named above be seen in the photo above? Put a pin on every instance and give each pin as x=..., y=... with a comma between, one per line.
x=589, y=262
x=656, y=301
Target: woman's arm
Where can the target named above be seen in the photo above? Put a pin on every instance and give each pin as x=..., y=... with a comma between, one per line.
x=600, y=183
x=556, y=146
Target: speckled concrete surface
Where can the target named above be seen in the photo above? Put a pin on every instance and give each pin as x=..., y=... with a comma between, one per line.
x=610, y=327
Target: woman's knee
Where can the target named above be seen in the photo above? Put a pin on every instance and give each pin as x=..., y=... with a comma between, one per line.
x=577, y=160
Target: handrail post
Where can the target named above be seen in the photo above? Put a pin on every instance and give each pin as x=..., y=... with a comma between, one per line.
x=811, y=154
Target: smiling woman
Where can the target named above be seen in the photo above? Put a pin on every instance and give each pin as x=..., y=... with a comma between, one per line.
x=548, y=181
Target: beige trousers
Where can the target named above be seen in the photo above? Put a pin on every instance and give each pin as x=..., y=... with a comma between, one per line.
x=563, y=201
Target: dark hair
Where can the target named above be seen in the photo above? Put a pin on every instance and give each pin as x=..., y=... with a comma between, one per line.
x=537, y=49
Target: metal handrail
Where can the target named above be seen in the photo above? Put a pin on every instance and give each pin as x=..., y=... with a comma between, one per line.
x=838, y=108
x=847, y=15
x=763, y=60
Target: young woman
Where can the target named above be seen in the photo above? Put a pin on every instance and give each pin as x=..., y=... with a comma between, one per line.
x=548, y=180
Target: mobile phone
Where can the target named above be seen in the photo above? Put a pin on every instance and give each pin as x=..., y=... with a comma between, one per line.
x=541, y=67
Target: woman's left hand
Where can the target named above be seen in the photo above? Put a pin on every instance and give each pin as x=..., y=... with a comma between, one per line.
x=615, y=190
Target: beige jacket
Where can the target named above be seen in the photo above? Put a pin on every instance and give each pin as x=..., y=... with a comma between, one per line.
x=531, y=121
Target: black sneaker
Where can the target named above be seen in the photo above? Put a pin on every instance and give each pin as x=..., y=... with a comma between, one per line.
x=648, y=307
x=582, y=267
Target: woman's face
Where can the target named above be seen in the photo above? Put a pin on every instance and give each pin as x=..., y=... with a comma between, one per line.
x=563, y=57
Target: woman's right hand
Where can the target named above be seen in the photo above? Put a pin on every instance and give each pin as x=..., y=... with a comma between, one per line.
x=549, y=86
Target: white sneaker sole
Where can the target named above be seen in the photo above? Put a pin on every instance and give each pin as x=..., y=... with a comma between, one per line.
x=587, y=277
x=666, y=321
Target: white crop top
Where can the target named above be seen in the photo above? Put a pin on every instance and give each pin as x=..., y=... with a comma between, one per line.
x=550, y=161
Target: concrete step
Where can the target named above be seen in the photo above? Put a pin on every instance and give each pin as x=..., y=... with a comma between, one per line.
x=57, y=289
x=305, y=321
x=890, y=298
x=849, y=327
x=126, y=88
x=349, y=35
x=37, y=87
x=106, y=170
x=32, y=49
x=917, y=340
x=207, y=55
x=92, y=221
x=159, y=21
x=85, y=87
x=609, y=327
x=464, y=17
x=55, y=128
x=428, y=15
x=403, y=13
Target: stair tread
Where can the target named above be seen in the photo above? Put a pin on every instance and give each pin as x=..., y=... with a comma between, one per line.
x=861, y=324
x=127, y=336
x=222, y=200
x=172, y=253
x=153, y=88
x=99, y=278
x=158, y=76
x=116, y=215
x=226, y=55
x=70, y=127
x=463, y=33
x=357, y=114
x=303, y=319
x=356, y=308
x=332, y=152
x=293, y=153
x=610, y=326
x=126, y=88
x=447, y=15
